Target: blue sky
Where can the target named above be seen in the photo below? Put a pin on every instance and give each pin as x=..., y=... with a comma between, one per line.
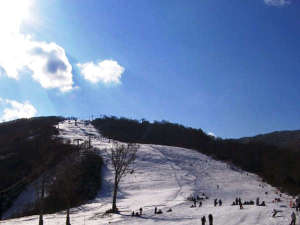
x=228, y=67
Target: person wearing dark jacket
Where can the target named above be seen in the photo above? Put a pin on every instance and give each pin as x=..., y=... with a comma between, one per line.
x=203, y=220
x=293, y=217
x=298, y=204
x=210, y=219
x=215, y=202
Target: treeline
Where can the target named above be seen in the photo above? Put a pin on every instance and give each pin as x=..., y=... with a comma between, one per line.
x=279, y=167
x=28, y=150
x=73, y=182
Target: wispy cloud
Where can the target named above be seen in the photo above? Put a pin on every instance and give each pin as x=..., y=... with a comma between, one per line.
x=16, y=110
x=106, y=71
x=277, y=2
x=47, y=62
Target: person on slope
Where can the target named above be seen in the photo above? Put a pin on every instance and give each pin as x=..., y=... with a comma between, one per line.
x=210, y=219
x=293, y=217
x=200, y=203
x=215, y=202
x=203, y=220
x=241, y=205
x=220, y=202
x=275, y=212
x=298, y=204
x=236, y=201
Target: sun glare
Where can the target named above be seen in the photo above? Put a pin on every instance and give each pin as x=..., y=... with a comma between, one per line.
x=13, y=13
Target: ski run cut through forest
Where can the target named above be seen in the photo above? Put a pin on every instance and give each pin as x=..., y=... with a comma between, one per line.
x=168, y=178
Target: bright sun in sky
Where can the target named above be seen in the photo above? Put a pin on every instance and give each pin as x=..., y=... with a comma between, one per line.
x=13, y=13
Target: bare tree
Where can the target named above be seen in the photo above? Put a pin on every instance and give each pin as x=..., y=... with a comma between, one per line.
x=67, y=175
x=122, y=156
x=40, y=187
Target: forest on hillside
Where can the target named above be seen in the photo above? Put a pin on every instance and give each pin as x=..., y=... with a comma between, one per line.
x=29, y=151
x=278, y=166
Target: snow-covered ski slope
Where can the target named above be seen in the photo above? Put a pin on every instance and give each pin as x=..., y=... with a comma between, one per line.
x=164, y=177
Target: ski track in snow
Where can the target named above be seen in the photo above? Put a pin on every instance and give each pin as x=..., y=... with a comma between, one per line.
x=165, y=176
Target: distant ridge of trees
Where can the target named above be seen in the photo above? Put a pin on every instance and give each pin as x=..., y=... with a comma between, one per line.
x=284, y=139
x=278, y=166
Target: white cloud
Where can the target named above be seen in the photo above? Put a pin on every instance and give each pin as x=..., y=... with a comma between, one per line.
x=47, y=62
x=106, y=71
x=16, y=110
x=277, y=2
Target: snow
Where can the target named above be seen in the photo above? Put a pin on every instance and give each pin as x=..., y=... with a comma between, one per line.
x=164, y=177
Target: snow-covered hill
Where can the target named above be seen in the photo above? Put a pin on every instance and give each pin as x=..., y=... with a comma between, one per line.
x=164, y=177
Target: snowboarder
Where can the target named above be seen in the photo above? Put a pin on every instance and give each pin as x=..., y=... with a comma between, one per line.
x=141, y=211
x=293, y=217
x=203, y=220
x=210, y=219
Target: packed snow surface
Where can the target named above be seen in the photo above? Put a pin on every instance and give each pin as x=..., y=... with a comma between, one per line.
x=164, y=177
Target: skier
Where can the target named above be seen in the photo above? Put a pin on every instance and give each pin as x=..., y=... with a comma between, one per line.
x=132, y=214
x=293, y=216
x=203, y=220
x=141, y=211
x=155, y=210
x=257, y=201
x=210, y=219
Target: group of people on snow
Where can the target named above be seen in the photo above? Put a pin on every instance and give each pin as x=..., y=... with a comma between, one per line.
x=216, y=202
x=137, y=213
x=210, y=219
x=238, y=201
x=197, y=198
